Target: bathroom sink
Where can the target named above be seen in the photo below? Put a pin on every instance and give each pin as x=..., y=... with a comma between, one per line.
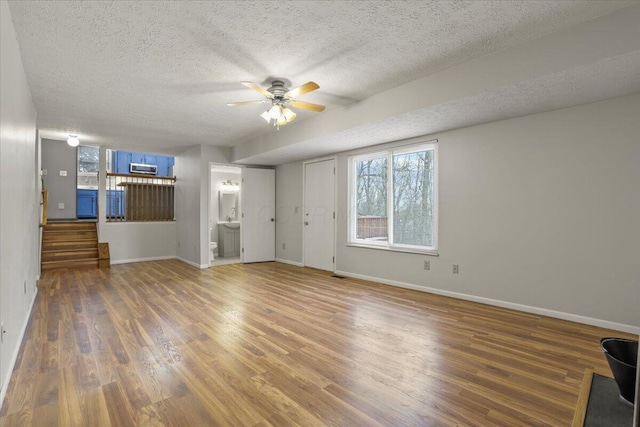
x=234, y=224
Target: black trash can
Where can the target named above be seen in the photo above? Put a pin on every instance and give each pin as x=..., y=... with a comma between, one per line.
x=622, y=355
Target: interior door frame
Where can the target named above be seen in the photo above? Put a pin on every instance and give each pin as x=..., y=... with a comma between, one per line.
x=213, y=164
x=272, y=255
x=335, y=205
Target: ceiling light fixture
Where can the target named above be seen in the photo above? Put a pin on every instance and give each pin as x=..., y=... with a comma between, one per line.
x=281, y=97
x=230, y=186
x=280, y=115
x=73, y=140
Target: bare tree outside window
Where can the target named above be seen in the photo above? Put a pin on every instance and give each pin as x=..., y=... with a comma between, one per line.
x=410, y=188
x=413, y=198
x=371, y=199
x=88, y=166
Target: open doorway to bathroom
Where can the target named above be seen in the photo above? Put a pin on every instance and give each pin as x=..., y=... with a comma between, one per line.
x=224, y=215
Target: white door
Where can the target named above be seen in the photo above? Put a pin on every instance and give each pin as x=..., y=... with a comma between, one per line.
x=258, y=227
x=319, y=216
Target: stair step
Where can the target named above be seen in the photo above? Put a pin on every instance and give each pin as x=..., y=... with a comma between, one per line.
x=67, y=245
x=68, y=235
x=55, y=265
x=70, y=226
x=73, y=254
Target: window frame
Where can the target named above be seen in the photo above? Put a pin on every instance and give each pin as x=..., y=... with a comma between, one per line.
x=352, y=221
x=80, y=175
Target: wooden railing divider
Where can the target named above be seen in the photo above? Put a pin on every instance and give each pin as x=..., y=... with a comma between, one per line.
x=140, y=197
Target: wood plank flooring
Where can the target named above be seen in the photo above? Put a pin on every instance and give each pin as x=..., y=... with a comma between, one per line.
x=162, y=343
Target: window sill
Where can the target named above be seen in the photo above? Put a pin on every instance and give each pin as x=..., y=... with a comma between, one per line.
x=429, y=252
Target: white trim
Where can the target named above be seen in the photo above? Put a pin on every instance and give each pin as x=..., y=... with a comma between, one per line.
x=193, y=264
x=212, y=166
x=406, y=249
x=319, y=159
x=388, y=153
x=5, y=383
x=155, y=258
x=504, y=304
x=286, y=261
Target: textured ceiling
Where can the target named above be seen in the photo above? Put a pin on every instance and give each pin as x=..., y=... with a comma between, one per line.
x=156, y=75
x=565, y=89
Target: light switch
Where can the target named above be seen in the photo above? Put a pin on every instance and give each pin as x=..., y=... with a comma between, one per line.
x=63, y=173
x=44, y=171
x=60, y=205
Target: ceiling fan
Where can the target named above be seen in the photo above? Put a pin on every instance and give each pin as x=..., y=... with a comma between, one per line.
x=281, y=98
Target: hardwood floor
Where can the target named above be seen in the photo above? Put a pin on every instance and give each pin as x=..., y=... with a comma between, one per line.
x=162, y=343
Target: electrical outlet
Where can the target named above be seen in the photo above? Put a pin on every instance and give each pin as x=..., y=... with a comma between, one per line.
x=284, y=246
x=427, y=265
x=456, y=268
x=60, y=205
x=63, y=173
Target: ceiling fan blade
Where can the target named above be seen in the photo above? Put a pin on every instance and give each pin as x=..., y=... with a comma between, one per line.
x=237, y=104
x=257, y=88
x=307, y=106
x=301, y=90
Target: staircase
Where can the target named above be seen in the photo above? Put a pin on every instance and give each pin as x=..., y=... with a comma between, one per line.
x=69, y=245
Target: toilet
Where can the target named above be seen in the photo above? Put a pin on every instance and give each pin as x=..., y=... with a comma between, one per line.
x=212, y=245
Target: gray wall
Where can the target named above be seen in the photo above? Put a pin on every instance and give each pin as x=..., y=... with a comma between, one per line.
x=187, y=188
x=540, y=211
x=59, y=156
x=289, y=212
x=19, y=198
x=193, y=200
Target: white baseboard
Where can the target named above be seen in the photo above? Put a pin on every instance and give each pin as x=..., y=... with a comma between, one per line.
x=286, y=261
x=504, y=304
x=12, y=364
x=127, y=261
x=193, y=264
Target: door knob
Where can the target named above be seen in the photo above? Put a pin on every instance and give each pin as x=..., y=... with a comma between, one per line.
x=272, y=219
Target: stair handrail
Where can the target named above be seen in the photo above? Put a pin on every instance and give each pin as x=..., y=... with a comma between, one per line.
x=44, y=204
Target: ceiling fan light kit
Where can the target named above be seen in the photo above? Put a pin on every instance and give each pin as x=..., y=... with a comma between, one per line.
x=281, y=97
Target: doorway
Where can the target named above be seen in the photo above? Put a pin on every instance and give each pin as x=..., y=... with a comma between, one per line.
x=319, y=214
x=224, y=215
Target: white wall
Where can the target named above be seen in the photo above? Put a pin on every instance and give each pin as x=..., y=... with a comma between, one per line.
x=540, y=211
x=187, y=188
x=19, y=198
x=139, y=241
x=289, y=212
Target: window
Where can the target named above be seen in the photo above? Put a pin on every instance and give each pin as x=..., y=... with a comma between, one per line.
x=88, y=165
x=393, y=198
